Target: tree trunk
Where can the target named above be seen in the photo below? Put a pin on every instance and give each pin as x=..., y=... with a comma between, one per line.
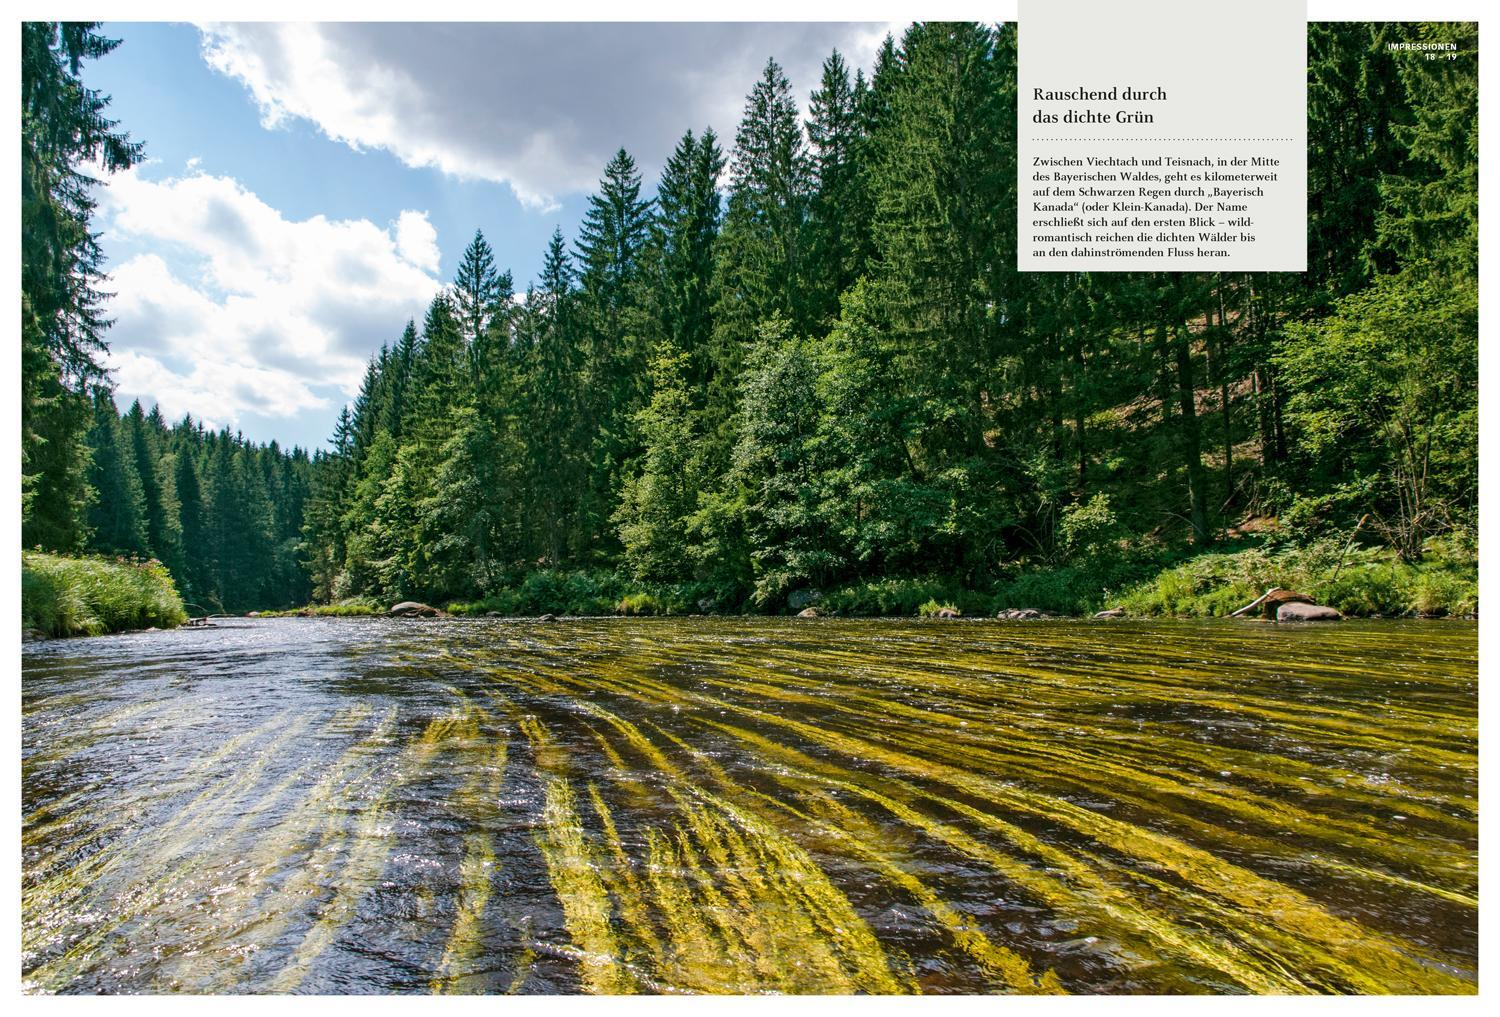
x=1078, y=415
x=1223, y=370
x=1191, y=440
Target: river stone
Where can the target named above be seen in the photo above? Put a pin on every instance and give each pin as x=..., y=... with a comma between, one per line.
x=1271, y=607
x=412, y=609
x=547, y=618
x=1019, y=614
x=798, y=599
x=809, y=612
x=1296, y=611
x=949, y=612
x=1114, y=612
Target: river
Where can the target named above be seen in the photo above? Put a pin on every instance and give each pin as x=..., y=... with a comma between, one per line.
x=752, y=805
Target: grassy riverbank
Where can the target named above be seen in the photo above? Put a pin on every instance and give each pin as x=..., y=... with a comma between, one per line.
x=91, y=595
x=1360, y=582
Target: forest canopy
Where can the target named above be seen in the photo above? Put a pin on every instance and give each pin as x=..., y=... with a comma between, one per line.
x=827, y=372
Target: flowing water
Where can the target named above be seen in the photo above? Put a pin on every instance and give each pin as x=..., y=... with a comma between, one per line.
x=701, y=805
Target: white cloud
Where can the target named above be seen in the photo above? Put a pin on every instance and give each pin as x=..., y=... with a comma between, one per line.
x=416, y=240
x=236, y=309
x=540, y=107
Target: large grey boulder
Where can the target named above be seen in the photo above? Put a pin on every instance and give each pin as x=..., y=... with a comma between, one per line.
x=1296, y=611
x=1268, y=603
x=1113, y=612
x=413, y=609
x=809, y=612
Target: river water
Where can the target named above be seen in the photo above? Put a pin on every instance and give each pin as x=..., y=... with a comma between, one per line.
x=752, y=805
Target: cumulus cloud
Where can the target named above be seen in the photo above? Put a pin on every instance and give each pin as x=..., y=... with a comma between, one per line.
x=232, y=308
x=540, y=107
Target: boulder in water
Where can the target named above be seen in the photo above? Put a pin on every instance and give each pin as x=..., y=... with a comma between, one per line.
x=798, y=599
x=1268, y=603
x=1113, y=612
x=1297, y=611
x=809, y=612
x=1020, y=614
x=413, y=609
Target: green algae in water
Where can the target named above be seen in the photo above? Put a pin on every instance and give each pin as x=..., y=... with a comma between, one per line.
x=754, y=805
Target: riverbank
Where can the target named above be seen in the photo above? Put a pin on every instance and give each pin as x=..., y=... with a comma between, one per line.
x=91, y=595
x=1358, y=582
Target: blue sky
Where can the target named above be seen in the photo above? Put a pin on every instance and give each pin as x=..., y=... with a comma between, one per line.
x=309, y=187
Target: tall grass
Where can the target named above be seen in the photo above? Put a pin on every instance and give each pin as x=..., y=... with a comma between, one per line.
x=91, y=595
x=353, y=607
x=1359, y=582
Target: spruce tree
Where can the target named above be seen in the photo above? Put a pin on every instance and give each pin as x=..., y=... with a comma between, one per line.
x=838, y=217
x=117, y=516
x=759, y=258
x=481, y=303
x=686, y=229
x=439, y=381
x=1430, y=214
x=158, y=502
x=557, y=435
x=611, y=247
x=198, y=553
x=657, y=503
x=64, y=128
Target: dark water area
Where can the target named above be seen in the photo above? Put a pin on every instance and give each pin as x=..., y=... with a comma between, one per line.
x=752, y=805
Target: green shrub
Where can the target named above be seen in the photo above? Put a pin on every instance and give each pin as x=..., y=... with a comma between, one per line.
x=1088, y=528
x=1065, y=590
x=597, y=593
x=92, y=595
x=1366, y=589
x=1439, y=591
x=347, y=609
x=886, y=597
x=639, y=604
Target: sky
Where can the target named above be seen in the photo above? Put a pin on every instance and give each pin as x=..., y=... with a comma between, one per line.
x=309, y=187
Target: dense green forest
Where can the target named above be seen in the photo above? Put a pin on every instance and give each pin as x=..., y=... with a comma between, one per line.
x=223, y=516
x=827, y=375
